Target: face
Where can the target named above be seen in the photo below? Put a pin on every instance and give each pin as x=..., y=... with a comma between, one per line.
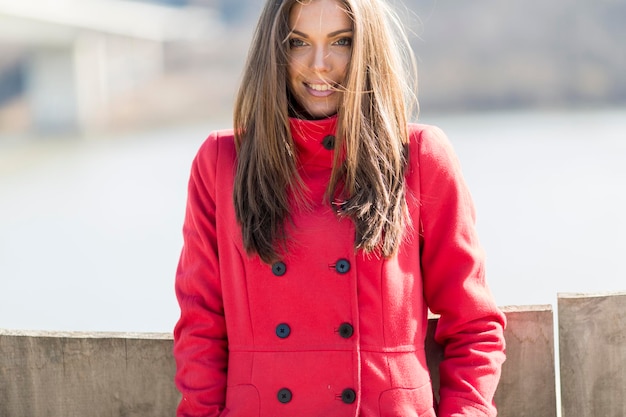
x=319, y=51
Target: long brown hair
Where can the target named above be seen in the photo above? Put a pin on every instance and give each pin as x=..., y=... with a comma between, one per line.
x=367, y=179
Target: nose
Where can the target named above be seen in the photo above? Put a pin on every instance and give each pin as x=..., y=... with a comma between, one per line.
x=321, y=59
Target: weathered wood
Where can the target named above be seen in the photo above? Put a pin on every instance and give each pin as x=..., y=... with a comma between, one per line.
x=528, y=385
x=77, y=376
x=592, y=346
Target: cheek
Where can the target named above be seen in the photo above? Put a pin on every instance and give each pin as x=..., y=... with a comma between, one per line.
x=293, y=70
x=343, y=62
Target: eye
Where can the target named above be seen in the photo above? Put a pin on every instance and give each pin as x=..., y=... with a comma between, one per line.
x=347, y=41
x=296, y=43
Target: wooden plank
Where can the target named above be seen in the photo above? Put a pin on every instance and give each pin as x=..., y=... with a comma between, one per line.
x=78, y=374
x=592, y=347
x=527, y=386
x=86, y=376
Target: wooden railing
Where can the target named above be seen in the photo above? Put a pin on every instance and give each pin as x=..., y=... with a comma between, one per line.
x=131, y=375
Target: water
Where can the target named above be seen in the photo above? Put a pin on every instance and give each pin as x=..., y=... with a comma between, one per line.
x=90, y=230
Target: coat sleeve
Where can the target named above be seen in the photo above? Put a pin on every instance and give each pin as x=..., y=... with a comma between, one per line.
x=470, y=326
x=200, y=343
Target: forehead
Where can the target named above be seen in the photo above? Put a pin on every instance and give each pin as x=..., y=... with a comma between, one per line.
x=319, y=15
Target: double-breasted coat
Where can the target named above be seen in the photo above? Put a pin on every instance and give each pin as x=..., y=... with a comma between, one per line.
x=330, y=331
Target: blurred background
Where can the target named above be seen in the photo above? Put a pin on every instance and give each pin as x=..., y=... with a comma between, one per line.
x=103, y=104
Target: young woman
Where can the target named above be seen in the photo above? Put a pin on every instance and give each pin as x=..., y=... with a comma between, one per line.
x=320, y=231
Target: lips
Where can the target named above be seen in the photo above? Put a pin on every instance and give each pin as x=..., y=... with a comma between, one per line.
x=320, y=89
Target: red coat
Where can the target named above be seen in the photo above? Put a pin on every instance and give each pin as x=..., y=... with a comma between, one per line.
x=329, y=331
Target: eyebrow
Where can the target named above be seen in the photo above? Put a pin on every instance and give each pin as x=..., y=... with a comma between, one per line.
x=330, y=35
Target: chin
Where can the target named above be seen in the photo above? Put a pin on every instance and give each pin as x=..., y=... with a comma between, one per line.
x=320, y=113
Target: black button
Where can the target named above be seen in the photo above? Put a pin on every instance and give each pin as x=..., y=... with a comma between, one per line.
x=283, y=330
x=342, y=266
x=329, y=142
x=348, y=396
x=284, y=396
x=346, y=330
x=279, y=269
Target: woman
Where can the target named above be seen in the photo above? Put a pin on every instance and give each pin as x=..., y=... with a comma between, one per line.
x=320, y=231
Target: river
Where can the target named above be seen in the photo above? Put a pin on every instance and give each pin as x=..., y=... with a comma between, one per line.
x=90, y=229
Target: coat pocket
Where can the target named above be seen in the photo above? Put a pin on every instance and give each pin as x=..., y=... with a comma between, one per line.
x=242, y=401
x=407, y=402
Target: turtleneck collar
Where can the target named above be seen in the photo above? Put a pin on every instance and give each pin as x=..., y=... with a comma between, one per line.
x=314, y=140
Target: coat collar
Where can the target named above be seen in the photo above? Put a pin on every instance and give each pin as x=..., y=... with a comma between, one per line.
x=314, y=140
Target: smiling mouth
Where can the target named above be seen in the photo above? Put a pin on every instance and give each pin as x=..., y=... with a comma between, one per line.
x=320, y=87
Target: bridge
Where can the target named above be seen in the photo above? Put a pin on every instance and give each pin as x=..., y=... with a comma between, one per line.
x=70, y=55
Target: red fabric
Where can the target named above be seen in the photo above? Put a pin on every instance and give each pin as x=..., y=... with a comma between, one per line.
x=229, y=358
